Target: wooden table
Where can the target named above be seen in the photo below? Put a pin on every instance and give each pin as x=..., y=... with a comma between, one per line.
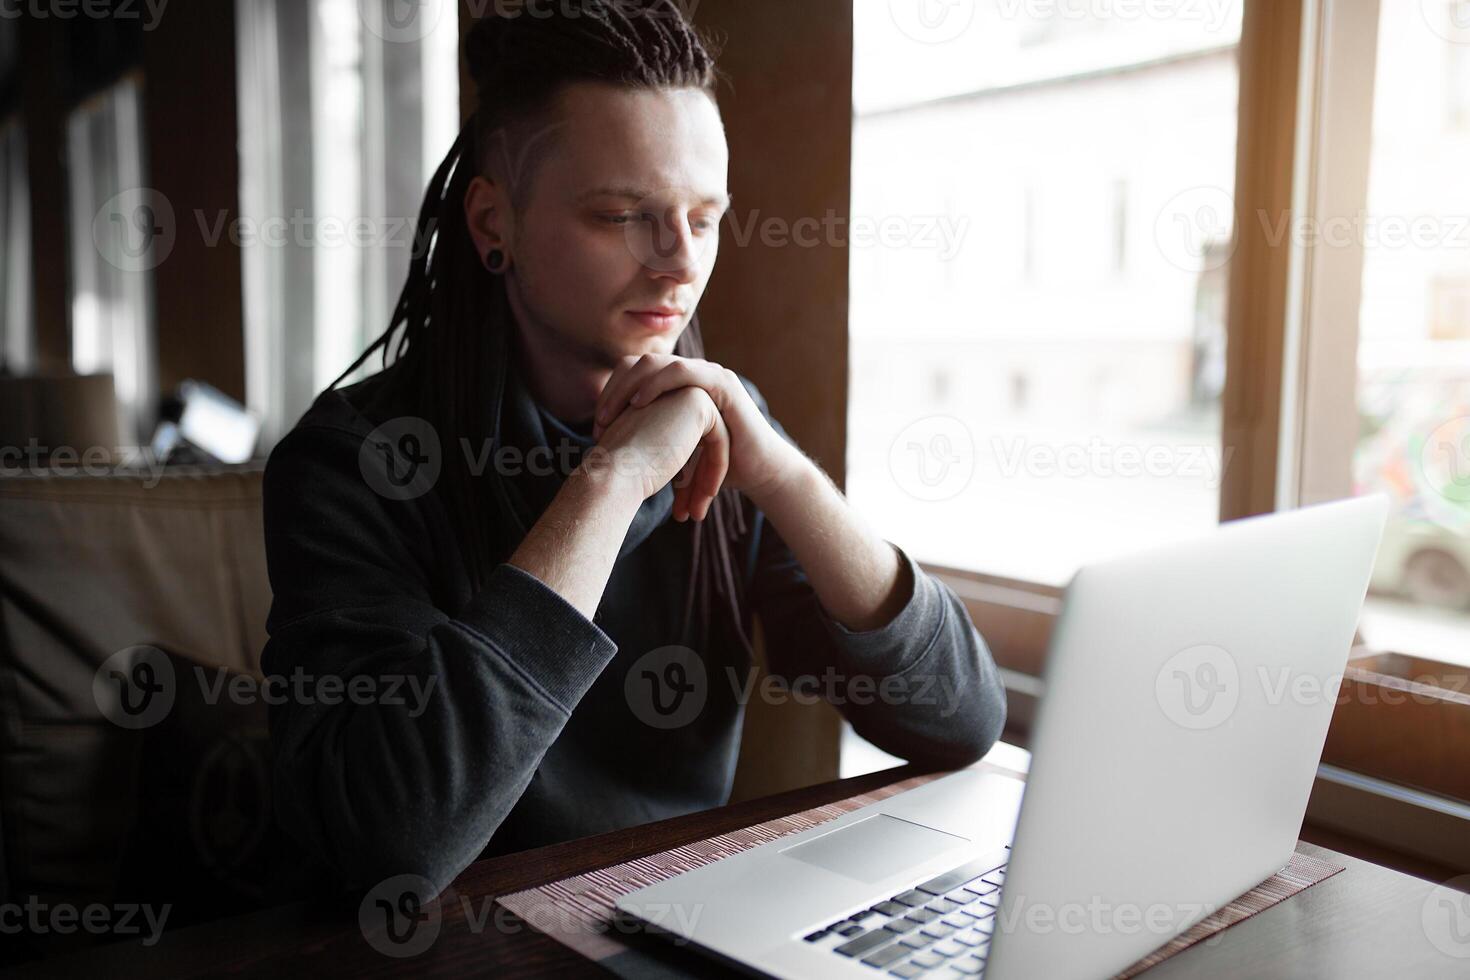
x=1364, y=922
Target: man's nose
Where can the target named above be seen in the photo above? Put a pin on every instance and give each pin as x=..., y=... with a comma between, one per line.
x=675, y=250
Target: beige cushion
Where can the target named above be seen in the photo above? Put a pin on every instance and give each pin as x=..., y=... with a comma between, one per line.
x=90, y=565
x=76, y=411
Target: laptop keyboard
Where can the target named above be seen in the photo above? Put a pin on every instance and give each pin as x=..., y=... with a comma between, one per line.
x=939, y=928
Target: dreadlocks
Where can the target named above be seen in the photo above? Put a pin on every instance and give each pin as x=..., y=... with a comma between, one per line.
x=448, y=316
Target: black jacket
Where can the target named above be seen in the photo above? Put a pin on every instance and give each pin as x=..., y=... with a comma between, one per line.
x=493, y=721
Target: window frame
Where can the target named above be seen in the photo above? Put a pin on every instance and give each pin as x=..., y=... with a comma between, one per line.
x=1289, y=402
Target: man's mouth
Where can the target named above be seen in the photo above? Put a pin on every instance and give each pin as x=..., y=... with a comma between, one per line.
x=659, y=319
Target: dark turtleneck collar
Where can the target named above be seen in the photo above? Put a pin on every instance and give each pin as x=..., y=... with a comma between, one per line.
x=549, y=449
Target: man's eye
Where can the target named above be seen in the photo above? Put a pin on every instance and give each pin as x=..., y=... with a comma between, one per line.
x=698, y=224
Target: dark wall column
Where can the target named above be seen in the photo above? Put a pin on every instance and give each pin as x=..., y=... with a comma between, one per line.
x=42, y=51
x=191, y=127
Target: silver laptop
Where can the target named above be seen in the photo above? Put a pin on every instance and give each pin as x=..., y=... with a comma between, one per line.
x=1187, y=696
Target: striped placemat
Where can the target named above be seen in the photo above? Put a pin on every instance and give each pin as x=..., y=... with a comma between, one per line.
x=578, y=911
x=1301, y=872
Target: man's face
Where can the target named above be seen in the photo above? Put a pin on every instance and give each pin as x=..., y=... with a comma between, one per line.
x=622, y=219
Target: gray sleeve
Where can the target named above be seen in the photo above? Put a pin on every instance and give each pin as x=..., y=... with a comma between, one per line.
x=415, y=782
x=923, y=687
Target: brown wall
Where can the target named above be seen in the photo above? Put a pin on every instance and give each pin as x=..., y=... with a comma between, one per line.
x=778, y=314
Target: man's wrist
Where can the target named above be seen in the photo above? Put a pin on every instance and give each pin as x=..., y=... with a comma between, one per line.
x=796, y=478
x=607, y=488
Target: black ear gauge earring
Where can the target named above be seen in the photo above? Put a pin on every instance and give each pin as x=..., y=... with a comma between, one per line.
x=495, y=261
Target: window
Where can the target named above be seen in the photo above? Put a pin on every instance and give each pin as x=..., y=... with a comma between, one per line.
x=17, y=340
x=1057, y=186
x=17, y=344
x=346, y=110
x=1413, y=363
x=1457, y=64
x=119, y=230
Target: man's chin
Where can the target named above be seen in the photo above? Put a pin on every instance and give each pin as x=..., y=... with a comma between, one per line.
x=638, y=346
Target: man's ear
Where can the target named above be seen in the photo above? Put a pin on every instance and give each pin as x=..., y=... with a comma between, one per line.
x=487, y=215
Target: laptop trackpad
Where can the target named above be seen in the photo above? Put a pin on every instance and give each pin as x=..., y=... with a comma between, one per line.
x=874, y=848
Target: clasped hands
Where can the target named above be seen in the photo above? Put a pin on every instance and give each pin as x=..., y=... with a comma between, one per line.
x=692, y=419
